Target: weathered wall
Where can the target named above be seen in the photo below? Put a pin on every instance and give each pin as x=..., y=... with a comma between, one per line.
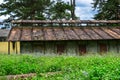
x=26, y=47
x=71, y=48
x=49, y=48
x=118, y=44
x=112, y=47
x=92, y=47
x=4, y=47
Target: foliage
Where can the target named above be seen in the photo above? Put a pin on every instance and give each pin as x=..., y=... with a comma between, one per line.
x=91, y=67
x=60, y=10
x=34, y=9
x=107, y=9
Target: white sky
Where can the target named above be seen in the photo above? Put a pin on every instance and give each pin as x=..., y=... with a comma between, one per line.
x=83, y=10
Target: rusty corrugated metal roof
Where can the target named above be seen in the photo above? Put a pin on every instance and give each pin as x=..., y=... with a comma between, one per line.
x=63, y=33
x=4, y=33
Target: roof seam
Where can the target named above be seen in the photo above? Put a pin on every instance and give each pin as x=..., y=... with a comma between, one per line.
x=107, y=33
x=87, y=33
x=75, y=33
x=97, y=33
x=114, y=31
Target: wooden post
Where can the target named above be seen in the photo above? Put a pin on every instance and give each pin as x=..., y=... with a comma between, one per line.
x=16, y=48
x=8, y=47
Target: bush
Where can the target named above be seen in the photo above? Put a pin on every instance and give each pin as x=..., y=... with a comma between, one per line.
x=93, y=67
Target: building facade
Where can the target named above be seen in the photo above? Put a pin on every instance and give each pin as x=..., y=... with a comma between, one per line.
x=66, y=40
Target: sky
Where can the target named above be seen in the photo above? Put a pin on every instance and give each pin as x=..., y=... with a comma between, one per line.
x=83, y=10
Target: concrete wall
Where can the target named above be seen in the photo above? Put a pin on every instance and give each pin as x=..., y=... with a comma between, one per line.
x=4, y=48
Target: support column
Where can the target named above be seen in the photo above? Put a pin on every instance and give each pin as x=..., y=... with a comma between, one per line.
x=16, y=48
x=9, y=47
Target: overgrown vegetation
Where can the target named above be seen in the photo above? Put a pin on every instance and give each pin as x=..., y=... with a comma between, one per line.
x=89, y=67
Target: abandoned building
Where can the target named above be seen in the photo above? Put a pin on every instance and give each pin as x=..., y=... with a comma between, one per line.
x=74, y=37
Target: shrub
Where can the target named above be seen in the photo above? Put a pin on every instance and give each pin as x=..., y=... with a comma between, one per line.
x=92, y=67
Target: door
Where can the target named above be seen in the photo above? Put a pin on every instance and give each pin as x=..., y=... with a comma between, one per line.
x=60, y=48
x=82, y=49
x=103, y=48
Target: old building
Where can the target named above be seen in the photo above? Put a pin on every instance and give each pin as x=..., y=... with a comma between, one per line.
x=66, y=37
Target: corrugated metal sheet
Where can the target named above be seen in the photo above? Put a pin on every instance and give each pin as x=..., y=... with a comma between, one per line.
x=63, y=33
x=4, y=33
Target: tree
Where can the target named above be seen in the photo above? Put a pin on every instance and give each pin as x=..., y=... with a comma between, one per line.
x=107, y=9
x=73, y=9
x=60, y=10
x=36, y=9
x=25, y=9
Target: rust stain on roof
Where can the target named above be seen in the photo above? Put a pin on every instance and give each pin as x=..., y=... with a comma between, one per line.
x=63, y=33
x=60, y=34
x=38, y=34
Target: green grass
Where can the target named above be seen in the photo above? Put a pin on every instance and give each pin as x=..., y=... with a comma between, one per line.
x=89, y=67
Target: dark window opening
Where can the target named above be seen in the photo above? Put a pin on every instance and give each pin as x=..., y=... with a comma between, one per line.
x=82, y=49
x=13, y=45
x=2, y=39
x=103, y=48
x=60, y=48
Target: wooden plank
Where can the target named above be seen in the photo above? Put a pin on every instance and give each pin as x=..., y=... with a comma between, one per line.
x=82, y=35
x=111, y=33
x=71, y=34
x=26, y=34
x=48, y=34
x=103, y=34
x=59, y=33
x=38, y=34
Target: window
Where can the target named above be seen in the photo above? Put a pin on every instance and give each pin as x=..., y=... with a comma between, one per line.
x=2, y=39
x=60, y=48
x=103, y=48
x=82, y=49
